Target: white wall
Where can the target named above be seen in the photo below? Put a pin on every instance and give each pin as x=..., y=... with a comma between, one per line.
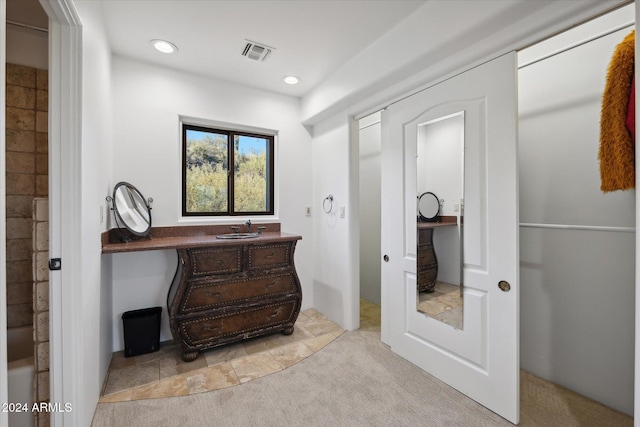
x=421, y=49
x=335, y=264
x=94, y=288
x=148, y=101
x=577, y=299
x=440, y=161
x=370, y=138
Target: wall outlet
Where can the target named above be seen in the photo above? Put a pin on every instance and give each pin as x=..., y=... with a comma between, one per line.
x=341, y=211
x=456, y=207
x=101, y=214
x=307, y=211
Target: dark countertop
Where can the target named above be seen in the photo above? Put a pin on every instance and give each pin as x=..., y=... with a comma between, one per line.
x=435, y=224
x=445, y=221
x=189, y=237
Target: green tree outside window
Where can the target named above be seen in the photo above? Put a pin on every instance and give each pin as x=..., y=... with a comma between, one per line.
x=209, y=188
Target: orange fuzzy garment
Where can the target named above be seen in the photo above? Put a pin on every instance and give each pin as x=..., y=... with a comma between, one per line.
x=617, y=146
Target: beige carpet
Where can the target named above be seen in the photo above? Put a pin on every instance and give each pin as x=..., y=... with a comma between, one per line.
x=354, y=381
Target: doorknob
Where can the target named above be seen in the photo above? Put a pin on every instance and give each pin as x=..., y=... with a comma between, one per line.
x=504, y=285
x=386, y=258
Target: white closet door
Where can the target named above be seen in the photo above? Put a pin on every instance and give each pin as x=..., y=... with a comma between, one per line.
x=481, y=359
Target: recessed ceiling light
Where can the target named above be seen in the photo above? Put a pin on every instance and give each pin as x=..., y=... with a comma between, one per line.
x=164, y=46
x=291, y=80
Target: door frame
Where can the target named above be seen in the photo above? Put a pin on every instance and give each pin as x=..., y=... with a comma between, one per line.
x=64, y=159
x=65, y=112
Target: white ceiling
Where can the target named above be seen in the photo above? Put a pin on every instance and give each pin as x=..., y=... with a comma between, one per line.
x=311, y=38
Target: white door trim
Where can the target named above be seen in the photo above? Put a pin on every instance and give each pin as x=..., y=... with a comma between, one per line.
x=65, y=96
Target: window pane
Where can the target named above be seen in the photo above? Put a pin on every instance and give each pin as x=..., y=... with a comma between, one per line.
x=251, y=174
x=206, y=171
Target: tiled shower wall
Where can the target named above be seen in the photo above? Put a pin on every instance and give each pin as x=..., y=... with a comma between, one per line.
x=41, y=305
x=27, y=177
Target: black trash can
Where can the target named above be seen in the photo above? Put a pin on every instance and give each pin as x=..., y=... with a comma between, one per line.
x=141, y=331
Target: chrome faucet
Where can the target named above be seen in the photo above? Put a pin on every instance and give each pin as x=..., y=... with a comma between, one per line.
x=248, y=224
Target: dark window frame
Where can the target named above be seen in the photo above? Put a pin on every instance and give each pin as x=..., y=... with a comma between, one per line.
x=231, y=133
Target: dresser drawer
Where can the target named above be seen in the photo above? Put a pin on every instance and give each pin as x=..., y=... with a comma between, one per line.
x=426, y=255
x=207, y=329
x=208, y=261
x=425, y=236
x=269, y=256
x=203, y=295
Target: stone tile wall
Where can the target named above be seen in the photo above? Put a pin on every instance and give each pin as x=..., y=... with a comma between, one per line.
x=27, y=177
x=41, y=305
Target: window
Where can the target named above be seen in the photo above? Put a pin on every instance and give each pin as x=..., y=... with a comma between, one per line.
x=226, y=172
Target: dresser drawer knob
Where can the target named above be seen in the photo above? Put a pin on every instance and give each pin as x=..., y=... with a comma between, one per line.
x=210, y=328
x=271, y=255
x=275, y=313
x=269, y=285
x=212, y=294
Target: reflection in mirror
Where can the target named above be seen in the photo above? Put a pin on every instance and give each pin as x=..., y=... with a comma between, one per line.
x=440, y=170
x=428, y=207
x=131, y=210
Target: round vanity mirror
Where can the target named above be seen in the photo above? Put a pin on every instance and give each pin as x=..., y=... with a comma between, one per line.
x=131, y=209
x=428, y=206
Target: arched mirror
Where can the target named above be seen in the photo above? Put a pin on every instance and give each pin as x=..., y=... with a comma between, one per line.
x=440, y=170
x=131, y=210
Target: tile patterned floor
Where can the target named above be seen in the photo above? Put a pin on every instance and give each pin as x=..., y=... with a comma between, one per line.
x=369, y=316
x=164, y=374
x=444, y=304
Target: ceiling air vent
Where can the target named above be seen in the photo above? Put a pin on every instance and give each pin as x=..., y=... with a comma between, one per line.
x=256, y=51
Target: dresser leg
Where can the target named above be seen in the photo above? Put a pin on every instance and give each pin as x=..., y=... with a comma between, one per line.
x=189, y=356
x=288, y=330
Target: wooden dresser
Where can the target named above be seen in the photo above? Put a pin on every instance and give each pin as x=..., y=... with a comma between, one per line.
x=225, y=294
x=225, y=291
x=427, y=260
x=427, y=267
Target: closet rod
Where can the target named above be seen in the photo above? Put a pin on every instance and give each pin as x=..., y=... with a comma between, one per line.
x=579, y=227
x=31, y=27
x=577, y=44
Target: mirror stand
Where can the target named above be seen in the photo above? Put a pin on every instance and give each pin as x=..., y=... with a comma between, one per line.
x=131, y=211
x=125, y=234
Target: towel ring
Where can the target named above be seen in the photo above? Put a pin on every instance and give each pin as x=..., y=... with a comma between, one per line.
x=329, y=198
